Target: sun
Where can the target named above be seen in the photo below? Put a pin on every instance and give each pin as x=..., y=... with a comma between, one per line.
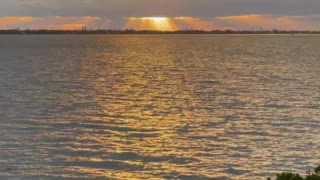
x=152, y=23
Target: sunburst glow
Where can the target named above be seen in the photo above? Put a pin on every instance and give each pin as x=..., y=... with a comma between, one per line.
x=156, y=19
x=167, y=24
x=152, y=23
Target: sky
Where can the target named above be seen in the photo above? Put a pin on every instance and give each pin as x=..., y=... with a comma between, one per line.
x=175, y=14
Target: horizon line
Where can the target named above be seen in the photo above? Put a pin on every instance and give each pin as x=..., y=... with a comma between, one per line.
x=132, y=31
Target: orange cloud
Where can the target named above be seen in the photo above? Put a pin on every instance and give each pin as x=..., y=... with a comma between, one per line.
x=250, y=21
x=58, y=22
x=269, y=22
x=6, y=21
x=243, y=22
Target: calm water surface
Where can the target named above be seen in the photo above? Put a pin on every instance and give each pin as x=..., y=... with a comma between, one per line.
x=158, y=106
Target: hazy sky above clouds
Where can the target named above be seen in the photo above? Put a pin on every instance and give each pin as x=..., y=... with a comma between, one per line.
x=114, y=12
x=128, y=8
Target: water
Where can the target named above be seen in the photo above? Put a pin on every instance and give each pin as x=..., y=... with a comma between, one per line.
x=158, y=106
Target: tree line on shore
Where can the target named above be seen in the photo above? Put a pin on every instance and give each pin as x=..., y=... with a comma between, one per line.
x=311, y=175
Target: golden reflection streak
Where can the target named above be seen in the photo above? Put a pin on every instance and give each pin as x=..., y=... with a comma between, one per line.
x=143, y=112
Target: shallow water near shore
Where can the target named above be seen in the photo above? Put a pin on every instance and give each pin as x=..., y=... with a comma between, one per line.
x=158, y=106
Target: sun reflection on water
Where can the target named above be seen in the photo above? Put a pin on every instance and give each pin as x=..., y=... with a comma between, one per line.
x=142, y=107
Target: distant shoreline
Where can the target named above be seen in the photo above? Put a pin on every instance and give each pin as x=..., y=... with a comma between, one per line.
x=92, y=32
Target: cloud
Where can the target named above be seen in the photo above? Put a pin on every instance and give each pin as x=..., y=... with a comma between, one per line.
x=10, y=21
x=58, y=22
x=269, y=22
x=241, y=22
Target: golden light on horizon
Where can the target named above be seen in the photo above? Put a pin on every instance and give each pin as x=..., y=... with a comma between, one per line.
x=156, y=19
x=195, y=23
x=152, y=23
x=70, y=27
x=167, y=24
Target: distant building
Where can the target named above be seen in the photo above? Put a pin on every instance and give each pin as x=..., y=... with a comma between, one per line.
x=84, y=28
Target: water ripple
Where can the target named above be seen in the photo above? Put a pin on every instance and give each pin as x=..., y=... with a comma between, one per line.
x=158, y=107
